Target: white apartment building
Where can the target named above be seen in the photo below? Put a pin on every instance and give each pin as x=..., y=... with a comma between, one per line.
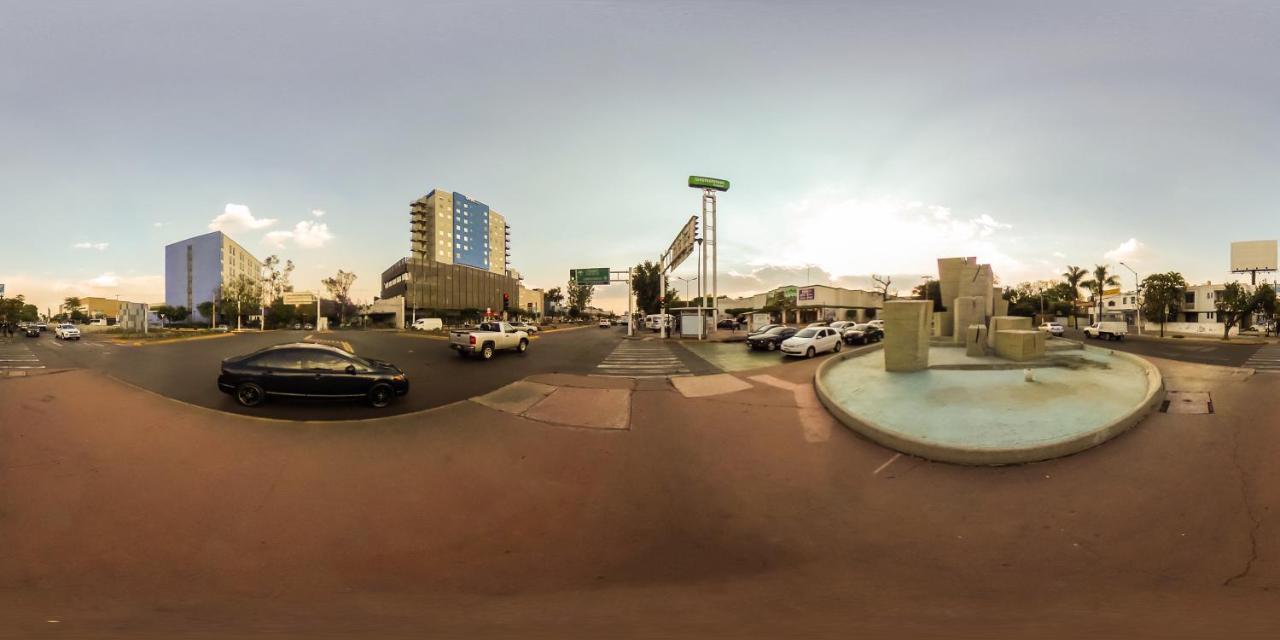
x=1116, y=305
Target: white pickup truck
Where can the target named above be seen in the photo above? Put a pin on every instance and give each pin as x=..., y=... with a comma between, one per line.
x=1108, y=330
x=488, y=338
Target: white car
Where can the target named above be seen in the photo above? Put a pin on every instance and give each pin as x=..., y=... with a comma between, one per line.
x=66, y=332
x=1052, y=328
x=1107, y=330
x=811, y=341
x=427, y=324
x=879, y=324
x=526, y=327
x=604, y=323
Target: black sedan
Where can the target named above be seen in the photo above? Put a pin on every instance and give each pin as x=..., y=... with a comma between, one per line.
x=863, y=334
x=31, y=331
x=763, y=329
x=771, y=339
x=305, y=370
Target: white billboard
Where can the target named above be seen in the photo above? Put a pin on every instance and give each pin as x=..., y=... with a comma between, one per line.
x=1254, y=255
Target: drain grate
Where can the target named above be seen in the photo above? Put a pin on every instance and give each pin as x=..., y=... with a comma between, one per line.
x=1190, y=402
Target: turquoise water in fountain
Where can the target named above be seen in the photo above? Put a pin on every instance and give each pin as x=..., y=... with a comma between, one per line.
x=988, y=409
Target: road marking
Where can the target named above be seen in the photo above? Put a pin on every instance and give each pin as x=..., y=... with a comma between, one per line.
x=630, y=360
x=1265, y=359
x=887, y=463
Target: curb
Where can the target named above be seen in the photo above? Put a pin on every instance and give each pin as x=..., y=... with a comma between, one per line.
x=126, y=342
x=995, y=457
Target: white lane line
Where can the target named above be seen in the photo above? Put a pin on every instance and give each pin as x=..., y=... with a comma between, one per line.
x=887, y=463
x=9, y=367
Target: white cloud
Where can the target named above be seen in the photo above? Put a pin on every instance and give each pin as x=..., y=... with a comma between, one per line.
x=1059, y=254
x=851, y=237
x=106, y=280
x=317, y=213
x=1129, y=250
x=238, y=217
x=305, y=234
x=100, y=246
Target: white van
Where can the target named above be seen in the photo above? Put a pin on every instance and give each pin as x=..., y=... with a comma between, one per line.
x=657, y=321
x=427, y=324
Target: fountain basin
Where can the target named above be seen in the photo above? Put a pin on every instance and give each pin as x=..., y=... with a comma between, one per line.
x=982, y=410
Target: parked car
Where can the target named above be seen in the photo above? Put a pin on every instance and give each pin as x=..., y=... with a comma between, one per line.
x=526, y=327
x=489, y=338
x=762, y=329
x=427, y=324
x=811, y=341
x=222, y=328
x=862, y=334
x=98, y=322
x=1053, y=328
x=879, y=324
x=306, y=370
x=297, y=326
x=841, y=325
x=727, y=324
x=815, y=325
x=604, y=323
x=66, y=331
x=769, y=340
x=1108, y=330
x=31, y=331
x=307, y=327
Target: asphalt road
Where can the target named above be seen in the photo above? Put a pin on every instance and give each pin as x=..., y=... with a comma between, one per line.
x=1199, y=352
x=188, y=370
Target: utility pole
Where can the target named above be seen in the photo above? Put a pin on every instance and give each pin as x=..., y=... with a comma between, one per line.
x=1137, y=296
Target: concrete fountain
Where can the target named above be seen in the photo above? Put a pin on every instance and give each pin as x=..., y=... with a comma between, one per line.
x=971, y=385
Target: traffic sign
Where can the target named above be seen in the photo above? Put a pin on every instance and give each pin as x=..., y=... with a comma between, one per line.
x=682, y=246
x=599, y=275
x=715, y=184
x=299, y=297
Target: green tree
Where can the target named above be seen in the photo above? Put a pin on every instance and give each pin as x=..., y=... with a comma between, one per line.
x=277, y=278
x=1234, y=303
x=240, y=298
x=579, y=296
x=781, y=303
x=1162, y=296
x=1102, y=278
x=553, y=297
x=339, y=286
x=1266, y=305
x=1074, y=277
x=929, y=290
x=206, y=309
x=280, y=315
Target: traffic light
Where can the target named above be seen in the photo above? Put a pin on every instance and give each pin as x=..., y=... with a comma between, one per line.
x=506, y=301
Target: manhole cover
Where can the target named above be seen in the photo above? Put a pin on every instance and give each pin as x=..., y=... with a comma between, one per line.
x=1187, y=402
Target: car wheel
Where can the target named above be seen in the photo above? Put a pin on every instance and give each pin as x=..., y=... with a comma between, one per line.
x=523, y=346
x=838, y=346
x=487, y=352
x=249, y=394
x=810, y=353
x=381, y=394
x=772, y=346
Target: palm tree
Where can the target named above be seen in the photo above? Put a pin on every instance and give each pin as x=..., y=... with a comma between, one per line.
x=1101, y=280
x=1074, y=276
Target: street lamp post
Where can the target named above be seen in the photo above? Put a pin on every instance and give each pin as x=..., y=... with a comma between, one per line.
x=686, y=285
x=1137, y=294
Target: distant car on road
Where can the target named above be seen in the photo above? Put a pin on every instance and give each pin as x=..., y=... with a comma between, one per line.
x=297, y=326
x=427, y=324
x=42, y=326
x=222, y=328
x=31, y=331
x=526, y=327
x=769, y=340
x=603, y=324
x=862, y=334
x=1107, y=330
x=727, y=324
x=66, y=331
x=1053, y=328
x=489, y=338
x=811, y=341
x=306, y=370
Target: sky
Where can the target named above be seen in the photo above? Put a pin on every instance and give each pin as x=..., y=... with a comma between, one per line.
x=859, y=137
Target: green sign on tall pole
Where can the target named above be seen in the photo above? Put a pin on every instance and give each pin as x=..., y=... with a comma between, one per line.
x=715, y=184
x=589, y=276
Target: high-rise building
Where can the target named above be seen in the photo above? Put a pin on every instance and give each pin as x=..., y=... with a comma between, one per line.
x=459, y=259
x=195, y=268
x=452, y=228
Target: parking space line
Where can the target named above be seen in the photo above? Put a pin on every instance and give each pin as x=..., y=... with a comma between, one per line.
x=886, y=464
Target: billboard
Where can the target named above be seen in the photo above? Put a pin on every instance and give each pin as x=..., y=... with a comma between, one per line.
x=806, y=294
x=703, y=182
x=1254, y=255
x=299, y=297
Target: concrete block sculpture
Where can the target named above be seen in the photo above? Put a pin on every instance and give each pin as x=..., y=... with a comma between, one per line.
x=975, y=340
x=943, y=323
x=949, y=278
x=1002, y=323
x=1020, y=345
x=906, y=334
x=965, y=311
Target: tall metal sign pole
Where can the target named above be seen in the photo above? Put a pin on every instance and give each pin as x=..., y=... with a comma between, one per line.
x=709, y=186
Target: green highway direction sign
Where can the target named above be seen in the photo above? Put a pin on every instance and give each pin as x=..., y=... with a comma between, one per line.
x=715, y=184
x=589, y=276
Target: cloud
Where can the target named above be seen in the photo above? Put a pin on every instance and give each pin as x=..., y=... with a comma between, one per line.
x=157, y=224
x=1129, y=250
x=238, y=217
x=1059, y=254
x=100, y=246
x=317, y=213
x=855, y=237
x=305, y=234
x=106, y=280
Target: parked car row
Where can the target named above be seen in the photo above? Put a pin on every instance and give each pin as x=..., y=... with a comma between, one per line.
x=819, y=337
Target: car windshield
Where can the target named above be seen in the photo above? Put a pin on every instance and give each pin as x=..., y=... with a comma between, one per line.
x=807, y=333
